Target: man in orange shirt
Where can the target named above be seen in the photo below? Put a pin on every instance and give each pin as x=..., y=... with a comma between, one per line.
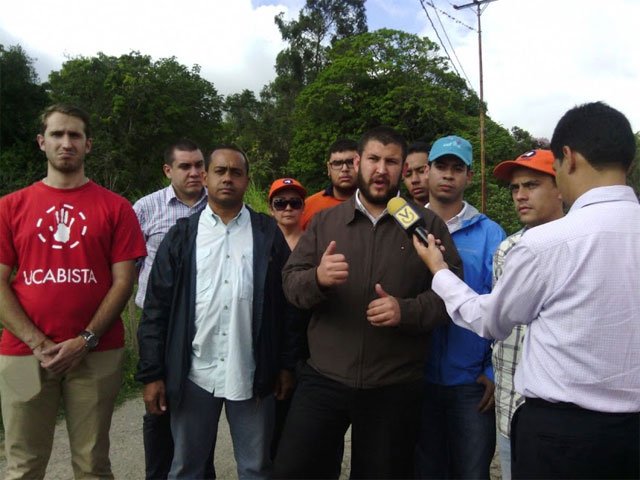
x=343, y=180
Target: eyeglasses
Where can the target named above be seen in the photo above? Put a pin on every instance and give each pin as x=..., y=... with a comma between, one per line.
x=419, y=170
x=280, y=204
x=338, y=164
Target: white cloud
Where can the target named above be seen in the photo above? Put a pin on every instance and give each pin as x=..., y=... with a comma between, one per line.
x=235, y=43
x=542, y=57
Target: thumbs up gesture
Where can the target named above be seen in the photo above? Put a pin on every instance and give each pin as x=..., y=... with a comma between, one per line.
x=333, y=269
x=384, y=311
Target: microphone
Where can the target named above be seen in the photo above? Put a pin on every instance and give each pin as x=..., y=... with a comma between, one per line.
x=408, y=218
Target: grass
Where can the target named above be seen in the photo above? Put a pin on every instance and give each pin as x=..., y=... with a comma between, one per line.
x=256, y=199
x=130, y=387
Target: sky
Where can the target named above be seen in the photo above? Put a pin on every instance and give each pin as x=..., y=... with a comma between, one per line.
x=540, y=57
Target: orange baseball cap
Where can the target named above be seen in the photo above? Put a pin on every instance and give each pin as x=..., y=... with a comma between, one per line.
x=287, y=183
x=540, y=160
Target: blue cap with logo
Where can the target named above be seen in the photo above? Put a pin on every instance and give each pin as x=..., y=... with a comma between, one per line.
x=452, y=145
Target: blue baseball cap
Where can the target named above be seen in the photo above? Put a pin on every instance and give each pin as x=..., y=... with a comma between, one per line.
x=452, y=145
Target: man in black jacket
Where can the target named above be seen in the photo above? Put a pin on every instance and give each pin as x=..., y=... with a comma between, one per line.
x=214, y=325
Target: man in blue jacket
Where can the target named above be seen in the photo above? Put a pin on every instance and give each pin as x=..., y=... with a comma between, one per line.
x=457, y=438
x=214, y=327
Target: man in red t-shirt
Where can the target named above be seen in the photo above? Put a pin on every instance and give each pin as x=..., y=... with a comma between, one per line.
x=72, y=245
x=343, y=180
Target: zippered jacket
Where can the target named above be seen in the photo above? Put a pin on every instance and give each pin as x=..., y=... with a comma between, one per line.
x=167, y=326
x=459, y=356
x=343, y=345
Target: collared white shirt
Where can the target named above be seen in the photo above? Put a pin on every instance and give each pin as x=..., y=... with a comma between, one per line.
x=157, y=213
x=360, y=206
x=454, y=223
x=222, y=352
x=576, y=282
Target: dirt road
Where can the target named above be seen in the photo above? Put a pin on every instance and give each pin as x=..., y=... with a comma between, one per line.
x=127, y=453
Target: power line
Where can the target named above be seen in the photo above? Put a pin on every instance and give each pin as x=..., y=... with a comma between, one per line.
x=480, y=5
x=450, y=44
x=443, y=45
x=451, y=16
x=439, y=39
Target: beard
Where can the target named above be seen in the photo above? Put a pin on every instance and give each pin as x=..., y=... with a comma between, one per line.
x=376, y=199
x=67, y=166
x=345, y=192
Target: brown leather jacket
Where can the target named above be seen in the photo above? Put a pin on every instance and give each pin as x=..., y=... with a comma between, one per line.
x=343, y=345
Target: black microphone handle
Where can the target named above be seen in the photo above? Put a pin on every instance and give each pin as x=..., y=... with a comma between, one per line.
x=421, y=233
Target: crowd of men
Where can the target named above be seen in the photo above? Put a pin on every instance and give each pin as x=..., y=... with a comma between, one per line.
x=325, y=315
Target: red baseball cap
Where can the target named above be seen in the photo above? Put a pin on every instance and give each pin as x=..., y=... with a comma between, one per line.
x=287, y=183
x=540, y=160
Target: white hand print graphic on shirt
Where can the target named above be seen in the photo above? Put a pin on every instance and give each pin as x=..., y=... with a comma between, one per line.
x=59, y=225
x=63, y=229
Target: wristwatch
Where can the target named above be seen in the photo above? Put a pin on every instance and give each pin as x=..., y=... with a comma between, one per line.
x=90, y=339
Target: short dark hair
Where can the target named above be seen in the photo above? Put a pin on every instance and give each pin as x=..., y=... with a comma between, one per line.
x=600, y=133
x=342, y=145
x=207, y=160
x=65, y=109
x=385, y=135
x=184, y=145
x=418, y=147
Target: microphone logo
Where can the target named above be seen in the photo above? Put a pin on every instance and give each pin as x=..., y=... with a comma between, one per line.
x=406, y=216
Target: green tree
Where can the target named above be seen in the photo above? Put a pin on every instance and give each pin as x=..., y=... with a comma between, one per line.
x=397, y=79
x=137, y=107
x=244, y=127
x=525, y=141
x=382, y=77
x=320, y=24
x=22, y=98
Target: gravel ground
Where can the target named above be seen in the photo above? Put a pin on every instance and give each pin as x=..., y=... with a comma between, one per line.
x=127, y=453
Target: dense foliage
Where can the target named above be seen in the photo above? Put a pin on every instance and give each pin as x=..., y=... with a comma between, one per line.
x=21, y=100
x=333, y=79
x=137, y=107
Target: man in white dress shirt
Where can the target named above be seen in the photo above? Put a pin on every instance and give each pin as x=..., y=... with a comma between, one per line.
x=576, y=282
x=214, y=328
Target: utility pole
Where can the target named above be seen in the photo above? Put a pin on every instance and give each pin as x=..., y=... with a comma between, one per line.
x=478, y=4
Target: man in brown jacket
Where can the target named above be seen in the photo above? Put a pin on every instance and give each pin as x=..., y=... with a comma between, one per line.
x=372, y=309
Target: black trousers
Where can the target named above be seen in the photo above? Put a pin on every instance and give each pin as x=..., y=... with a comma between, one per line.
x=562, y=440
x=384, y=429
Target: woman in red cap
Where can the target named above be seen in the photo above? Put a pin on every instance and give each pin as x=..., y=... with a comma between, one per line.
x=286, y=202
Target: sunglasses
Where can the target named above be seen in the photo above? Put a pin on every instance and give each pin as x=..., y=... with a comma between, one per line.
x=280, y=204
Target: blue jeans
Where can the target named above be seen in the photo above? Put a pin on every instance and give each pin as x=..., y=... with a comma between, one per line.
x=456, y=441
x=194, y=426
x=504, y=449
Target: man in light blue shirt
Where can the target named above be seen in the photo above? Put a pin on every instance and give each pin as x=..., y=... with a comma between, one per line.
x=160, y=210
